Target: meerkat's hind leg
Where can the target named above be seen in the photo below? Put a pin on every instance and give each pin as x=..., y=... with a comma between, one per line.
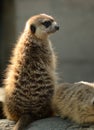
x=23, y=122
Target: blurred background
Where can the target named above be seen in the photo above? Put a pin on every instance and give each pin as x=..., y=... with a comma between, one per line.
x=74, y=43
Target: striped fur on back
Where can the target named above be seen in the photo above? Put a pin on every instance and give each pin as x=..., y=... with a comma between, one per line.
x=75, y=101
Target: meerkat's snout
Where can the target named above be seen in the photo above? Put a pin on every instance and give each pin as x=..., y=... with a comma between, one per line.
x=57, y=27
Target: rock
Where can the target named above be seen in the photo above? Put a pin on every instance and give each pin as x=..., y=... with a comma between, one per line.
x=54, y=123
x=6, y=124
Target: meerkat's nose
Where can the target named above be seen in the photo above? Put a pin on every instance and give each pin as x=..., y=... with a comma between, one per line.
x=57, y=27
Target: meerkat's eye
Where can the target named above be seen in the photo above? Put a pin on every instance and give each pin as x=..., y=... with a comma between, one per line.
x=47, y=23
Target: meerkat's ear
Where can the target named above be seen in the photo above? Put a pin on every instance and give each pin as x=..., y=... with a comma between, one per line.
x=33, y=28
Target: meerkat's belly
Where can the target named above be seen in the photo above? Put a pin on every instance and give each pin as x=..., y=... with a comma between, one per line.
x=33, y=97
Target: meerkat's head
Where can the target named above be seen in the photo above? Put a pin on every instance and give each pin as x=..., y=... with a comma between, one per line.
x=41, y=25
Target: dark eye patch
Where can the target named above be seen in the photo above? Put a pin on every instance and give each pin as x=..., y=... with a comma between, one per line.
x=46, y=23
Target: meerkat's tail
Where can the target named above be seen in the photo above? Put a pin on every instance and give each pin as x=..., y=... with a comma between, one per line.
x=92, y=101
x=1, y=111
x=23, y=122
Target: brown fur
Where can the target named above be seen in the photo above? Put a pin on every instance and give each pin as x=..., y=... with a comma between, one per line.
x=75, y=101
x=1, y=110
x=30, y=77
x=2, y=97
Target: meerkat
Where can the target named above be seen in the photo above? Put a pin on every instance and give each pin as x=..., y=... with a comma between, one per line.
x=75, y=101
x=30, y=76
